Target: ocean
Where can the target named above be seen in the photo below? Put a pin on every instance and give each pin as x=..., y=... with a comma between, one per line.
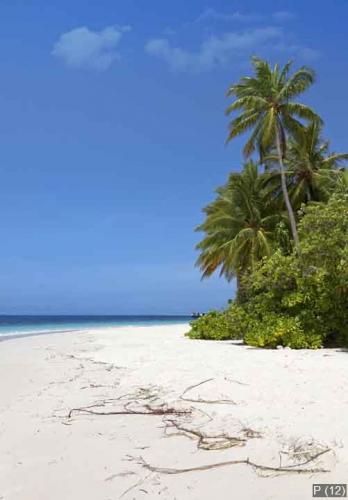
x=16, y=326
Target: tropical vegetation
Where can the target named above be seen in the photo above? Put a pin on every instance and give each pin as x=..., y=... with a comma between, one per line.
x=267, y=106
x=239, y=226
x=279, y=225
x=312, y=171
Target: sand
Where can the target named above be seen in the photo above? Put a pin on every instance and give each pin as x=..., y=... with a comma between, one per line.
x=282, y=407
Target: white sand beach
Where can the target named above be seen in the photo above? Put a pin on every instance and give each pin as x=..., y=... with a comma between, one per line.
x=277, y=409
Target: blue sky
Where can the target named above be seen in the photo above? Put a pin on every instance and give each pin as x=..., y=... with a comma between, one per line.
x=112, y=140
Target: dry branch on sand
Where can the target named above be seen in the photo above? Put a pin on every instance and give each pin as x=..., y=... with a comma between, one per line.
x=147, y=410
x=140, y=398
x=180, y=422
x=297, y=469
x=217, y=441
x=183, y=396
x=145, y=400
x=147, y=394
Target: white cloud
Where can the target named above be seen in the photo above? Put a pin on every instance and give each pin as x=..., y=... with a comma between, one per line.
x=236, y=16
x=215, y=51
x=213, y=15
x=308, y=54
x=283, y=16
x=168, y=31
x=82, y=48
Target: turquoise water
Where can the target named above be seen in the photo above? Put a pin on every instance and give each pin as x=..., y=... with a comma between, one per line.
x=33, y=325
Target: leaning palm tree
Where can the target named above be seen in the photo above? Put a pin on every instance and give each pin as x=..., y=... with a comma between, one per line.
x=312, y=172
x=267, y=107
x=239, y=227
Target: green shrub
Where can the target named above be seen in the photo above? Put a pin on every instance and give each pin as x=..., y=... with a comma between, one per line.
x=291, y=300
x=215, y=325
x=238, y=321
x=324, y=244
x=302, y=300
x=284, y=331
x=211, y=326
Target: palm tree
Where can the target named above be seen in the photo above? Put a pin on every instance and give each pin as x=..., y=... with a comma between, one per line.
x=266, y=105
x=239, y=226
x=342, y=185
x=312, y=172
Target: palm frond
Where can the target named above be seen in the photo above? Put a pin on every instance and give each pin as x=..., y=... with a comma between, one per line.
x=241, y=124
x=298, y=83
x=248, y=102
x=302, y=111
x=236, y=224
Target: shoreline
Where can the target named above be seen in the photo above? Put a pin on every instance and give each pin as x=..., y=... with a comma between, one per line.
x=272, y=403
x=34, y=333
x=9, y=336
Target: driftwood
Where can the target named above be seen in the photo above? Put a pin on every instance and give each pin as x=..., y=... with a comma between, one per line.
x=146, y=410
x=205, y=441
x=142, y=395
x=293, y=469
x=142, y=398
x=206, y=401
x=143, y=402
x=297, y=469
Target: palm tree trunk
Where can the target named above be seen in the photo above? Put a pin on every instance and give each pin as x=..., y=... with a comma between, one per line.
x=241, y=292
x=286, y=194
